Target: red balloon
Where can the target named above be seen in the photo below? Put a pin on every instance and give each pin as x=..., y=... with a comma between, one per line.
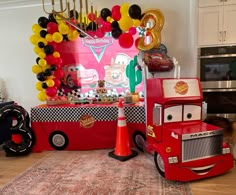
x=92, y=16
x=132, y=30
x=58, y=61
x=50, y=59
x=100, y=33
x=58, y=74
x=116, y=15
x=51, y=91
x=91, y=33
x=106, y=26
x=115, y=8
x=126, y=40
x=57, y=82
x=52, y=27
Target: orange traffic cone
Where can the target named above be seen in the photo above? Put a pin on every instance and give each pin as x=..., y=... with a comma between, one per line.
x=122, y=150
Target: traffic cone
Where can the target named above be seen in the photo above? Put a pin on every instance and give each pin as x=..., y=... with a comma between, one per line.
x=122, y=150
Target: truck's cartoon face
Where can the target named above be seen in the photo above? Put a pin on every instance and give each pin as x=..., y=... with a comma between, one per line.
x=115, y=73
x=77, y=76
x=189, y=113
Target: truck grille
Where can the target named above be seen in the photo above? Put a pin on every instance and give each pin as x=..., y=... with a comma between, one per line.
x=201, y=147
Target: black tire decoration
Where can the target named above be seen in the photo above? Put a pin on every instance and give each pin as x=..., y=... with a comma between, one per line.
x=23, y=148
x=139, y=140
x=22, y=127
x=58, y=140
x=13, y=111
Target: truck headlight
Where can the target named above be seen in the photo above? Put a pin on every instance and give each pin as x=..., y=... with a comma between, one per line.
x=226, y=150
x=173, y=159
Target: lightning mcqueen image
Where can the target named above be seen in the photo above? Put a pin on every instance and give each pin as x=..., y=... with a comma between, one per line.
x=78, y=76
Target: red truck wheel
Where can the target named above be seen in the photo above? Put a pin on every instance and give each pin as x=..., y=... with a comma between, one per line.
x=159, y=164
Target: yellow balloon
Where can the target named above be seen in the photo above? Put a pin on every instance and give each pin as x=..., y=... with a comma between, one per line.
x=49, y=38
x=50, y=77
x=124, y=9
x=73, y=35
x=125, y=23
x=56, y=54
x=42, y=62
x=36, y=28
x=43, y=40
x=37, y=50
x=59, y=20
x=57, y=37
x=42, y=54
x=109, y=19
x=63, y=28
x=42, y=96
x=38, y=86
x=34, y=39
x=136, y=22
x=50, y=83
x=36, y=69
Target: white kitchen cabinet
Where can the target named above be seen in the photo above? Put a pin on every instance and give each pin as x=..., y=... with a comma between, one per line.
x=207, y=3
x=217, y=25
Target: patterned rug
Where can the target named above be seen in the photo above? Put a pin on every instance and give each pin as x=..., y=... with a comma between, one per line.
x=92, y=173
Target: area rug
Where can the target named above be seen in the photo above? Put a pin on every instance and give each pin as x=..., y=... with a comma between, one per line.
x=92, y=173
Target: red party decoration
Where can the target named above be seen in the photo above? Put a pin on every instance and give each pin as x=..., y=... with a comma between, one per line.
x=51, y=91
x=126, y=40
x=52, y=27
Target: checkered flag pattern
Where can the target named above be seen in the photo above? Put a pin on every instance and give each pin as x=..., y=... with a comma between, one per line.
x=61, y=92
x=74, y=93
x=73, y=114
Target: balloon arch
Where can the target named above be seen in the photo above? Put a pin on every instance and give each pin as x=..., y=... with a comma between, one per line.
x=123, y=22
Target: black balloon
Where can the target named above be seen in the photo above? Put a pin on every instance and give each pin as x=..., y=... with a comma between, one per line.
x=135, y=11
x=43, y=22
x=65, y=38
x=92, y=26
x=53, y=67
x=116, y=33
x=48, y=49
x=44, y=85
x=41, y=76
x=41, y=44
x=43, y=33
x=115, y=25
x=72, y=14
x=37, y=60
x=48, y=72
x=51, y=18
x=105, y=12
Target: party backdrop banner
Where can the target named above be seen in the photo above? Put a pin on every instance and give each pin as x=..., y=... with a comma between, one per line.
x=85, y=61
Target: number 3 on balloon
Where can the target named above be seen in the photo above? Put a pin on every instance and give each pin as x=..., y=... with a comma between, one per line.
x=153, y=20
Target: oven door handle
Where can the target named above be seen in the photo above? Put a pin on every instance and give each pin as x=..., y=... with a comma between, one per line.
x=218, y=90
x=217, y=56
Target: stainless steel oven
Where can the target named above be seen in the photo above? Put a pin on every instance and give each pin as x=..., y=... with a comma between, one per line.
x=217, y=71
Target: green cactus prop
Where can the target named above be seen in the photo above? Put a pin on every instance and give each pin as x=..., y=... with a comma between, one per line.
x=133, y=72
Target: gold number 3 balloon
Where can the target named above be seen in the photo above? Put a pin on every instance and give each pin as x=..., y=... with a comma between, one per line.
x=153, y=20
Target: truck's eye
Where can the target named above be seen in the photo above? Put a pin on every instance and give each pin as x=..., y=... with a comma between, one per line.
x=189, y=115
x=173, y=114
x=169, y=117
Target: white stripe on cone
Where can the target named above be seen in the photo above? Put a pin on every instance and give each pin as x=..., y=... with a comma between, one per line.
x=121, y=115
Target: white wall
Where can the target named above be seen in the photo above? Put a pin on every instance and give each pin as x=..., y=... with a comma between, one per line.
x=17, y=56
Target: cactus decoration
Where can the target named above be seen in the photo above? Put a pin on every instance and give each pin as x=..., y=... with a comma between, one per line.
x=133, y=72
